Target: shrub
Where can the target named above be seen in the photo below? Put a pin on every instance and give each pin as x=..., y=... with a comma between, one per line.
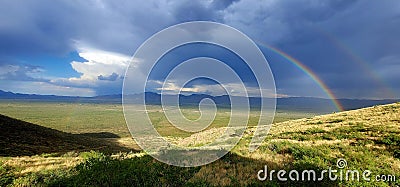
x=391, y=140
x=328, y=137
x=301, y=152
x=314, y=130
x=6, y=175
x=336, y=121
x=138, y=171
x=396, y=154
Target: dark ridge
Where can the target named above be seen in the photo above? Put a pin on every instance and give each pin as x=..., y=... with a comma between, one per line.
x=100, y=135
x=20, y=138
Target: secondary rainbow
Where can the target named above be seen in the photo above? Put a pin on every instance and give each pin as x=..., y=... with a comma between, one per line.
x=365, y=66
x=308, y=72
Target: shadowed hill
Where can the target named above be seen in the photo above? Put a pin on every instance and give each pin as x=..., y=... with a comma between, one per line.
x=20, y=138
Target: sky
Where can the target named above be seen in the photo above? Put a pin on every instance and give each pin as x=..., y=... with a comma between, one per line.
x=349, y=48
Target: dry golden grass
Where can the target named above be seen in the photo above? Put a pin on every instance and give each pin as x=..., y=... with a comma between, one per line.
x=222, y=172
x=33, y=164
x=376, y=116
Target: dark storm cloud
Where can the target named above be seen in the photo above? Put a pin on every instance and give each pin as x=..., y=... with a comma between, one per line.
x=341, y=41
x=46, y=26
x=346, y=43
x=187, y=10
x=194, y=11
x=111, y=77
x=29, y=27
x=222, y=4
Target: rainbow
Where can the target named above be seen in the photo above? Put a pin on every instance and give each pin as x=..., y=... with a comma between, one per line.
x=307, y=71
x=357, y=59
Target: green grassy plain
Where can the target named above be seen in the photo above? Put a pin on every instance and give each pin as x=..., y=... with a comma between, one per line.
x=80, y=118
x=69, y=117
x=368, y=139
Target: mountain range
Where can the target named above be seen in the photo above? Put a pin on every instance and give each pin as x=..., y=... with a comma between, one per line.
x=287, y=103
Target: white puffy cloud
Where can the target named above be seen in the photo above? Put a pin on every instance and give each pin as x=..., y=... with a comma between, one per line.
x=99, y=63
x=103, y=71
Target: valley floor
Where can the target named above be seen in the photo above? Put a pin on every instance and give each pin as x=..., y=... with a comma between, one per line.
x=366, y=139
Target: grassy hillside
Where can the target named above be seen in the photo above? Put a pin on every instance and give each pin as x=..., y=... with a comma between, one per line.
x=368, y=139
